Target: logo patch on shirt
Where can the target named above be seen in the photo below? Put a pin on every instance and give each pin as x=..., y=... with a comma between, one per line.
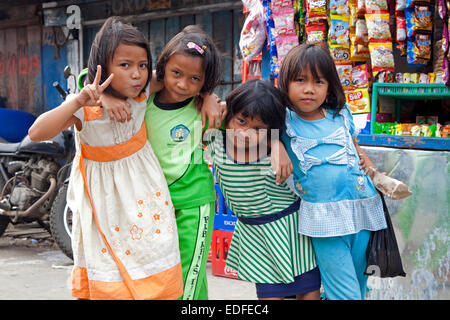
x=179, y=133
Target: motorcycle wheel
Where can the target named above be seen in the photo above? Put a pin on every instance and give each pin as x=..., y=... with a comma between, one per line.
x=4, y=221
x=61, y=222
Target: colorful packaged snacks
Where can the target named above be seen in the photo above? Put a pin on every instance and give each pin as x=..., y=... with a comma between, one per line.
x=283, y=18
x=358, y=52
x=345, y=75
x=360, y=76
x=339, y=30
x=442, y=9
x=316, y=10
x=401, y=26
x=422, y=46
x=253, y=34
x=361, y=32
x=285, y=42
x=423, y=17
x=316, y=32
x=340, y=54
x=378, y=27
x=406, y=77
x=358, y=100
x=339, y=7
x=272, y=48
x=376, y=5
x=381, y=56
x=410, y=17
x=360, y=7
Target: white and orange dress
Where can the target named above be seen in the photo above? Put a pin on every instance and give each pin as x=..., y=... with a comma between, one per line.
x=124, y=234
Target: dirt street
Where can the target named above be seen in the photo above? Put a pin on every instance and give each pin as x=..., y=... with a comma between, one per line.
x=33, y=268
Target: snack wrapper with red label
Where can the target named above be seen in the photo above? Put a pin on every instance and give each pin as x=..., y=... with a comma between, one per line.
x=285, y=43
x=378, y=27
x=360, y=7
x=339, y=30
x=401, y=26
x=316, y=10
x=381, y=56
x=422, y=46
x=316, y=32
x=358, y=52
x=253, y=34
x=358, y=100
x=361, y=32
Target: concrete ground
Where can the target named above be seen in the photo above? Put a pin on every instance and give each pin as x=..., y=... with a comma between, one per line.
x=33, y=268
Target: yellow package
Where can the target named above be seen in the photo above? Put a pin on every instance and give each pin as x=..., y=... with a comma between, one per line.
x=340, y=54
x=339, y=32
x=381, y=56
x=358, y=100
x=378, y=27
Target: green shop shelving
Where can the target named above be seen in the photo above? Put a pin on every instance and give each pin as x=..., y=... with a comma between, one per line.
x=404, y=91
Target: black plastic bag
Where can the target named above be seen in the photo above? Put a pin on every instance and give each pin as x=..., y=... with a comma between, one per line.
x=383, y=256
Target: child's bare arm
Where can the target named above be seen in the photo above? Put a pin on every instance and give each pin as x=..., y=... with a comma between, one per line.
x=211, y=108
x=52, y=122
x=365, y=162
x=281, y=163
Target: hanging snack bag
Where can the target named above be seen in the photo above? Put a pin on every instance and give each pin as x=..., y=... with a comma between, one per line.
x=283, y=18
x=345, y=75
x=340, y=54
x=316, y=32
x=358, y=100
x=253, y=34
x=272, y=48
x=422, y=46
x=285, y=42
x=412, y=57
x=445, y=41
x=424, y=17
x=358, y=52
x=361, y=32
x=410, y=17
x=442, y=9
x=360, y=7
x=376, y=5
x=378, y=27
x=401, y=26
x=381, y=56
x=316, y=10
x=339, y=7
x=339, y=30
x=360, y=76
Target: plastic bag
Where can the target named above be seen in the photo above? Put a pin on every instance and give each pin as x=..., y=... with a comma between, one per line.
x=253, y=33
x=383, y=255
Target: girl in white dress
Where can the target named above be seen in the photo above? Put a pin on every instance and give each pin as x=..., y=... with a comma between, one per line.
x=124, y=235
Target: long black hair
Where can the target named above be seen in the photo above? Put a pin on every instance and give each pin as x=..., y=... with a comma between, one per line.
x=318, y=60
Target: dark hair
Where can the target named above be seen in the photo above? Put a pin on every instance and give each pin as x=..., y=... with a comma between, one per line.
x=318, y=60
x=210, y=55
x=115, y=31
x=258, y=98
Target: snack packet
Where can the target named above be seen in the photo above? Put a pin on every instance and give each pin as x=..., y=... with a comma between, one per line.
x=376, y=6
x=360, y=76
x=339, y=7
x=401, y=26
x=316, y=32
x=423, y=17
x=345, y=75
x=339, y=30
x=422, y=46
x=358, y=100
x=378, y=27
x=381, y=56
x=253, y=34
x=340, y=54
x=316, y=10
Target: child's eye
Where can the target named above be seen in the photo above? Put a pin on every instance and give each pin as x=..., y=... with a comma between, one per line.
x=175, y=72
x=195, y=78
x=299, y=79
x=143, y=66
x=241, y=121
x=125, y=65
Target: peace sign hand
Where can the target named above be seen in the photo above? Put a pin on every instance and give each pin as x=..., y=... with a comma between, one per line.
x=90, y=94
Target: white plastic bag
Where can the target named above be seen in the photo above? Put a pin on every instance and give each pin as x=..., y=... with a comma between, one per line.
x=253, y=32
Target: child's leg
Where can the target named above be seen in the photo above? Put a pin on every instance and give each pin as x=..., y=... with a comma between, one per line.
x=194, y=234
x=337, y=271
x=359, y=248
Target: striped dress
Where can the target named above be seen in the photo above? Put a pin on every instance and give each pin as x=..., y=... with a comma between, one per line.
x=266, y=253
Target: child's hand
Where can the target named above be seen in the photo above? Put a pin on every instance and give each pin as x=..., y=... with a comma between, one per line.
x=211, y=108
x=90, y=94
x=281, y=163
x=117, y=109
x=365, y=163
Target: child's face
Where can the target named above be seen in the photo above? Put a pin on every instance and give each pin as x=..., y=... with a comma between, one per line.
x=308, y=93
x=183, y=78
x=130, y=67
x=246, y=131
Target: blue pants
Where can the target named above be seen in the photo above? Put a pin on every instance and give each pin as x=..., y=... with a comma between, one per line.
x=342, y=261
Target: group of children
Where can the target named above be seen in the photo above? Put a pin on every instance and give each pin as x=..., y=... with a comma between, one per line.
x=143, y=197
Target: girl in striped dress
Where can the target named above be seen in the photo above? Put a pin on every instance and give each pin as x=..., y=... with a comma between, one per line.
x=266, y=247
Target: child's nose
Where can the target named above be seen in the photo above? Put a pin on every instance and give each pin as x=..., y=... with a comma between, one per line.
x=136, y=73
x=182, y=83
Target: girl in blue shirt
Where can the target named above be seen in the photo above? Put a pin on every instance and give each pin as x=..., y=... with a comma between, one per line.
x=340, y=205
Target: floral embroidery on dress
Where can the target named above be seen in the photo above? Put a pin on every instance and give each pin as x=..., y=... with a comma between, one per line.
x=136, y=232
x=300, y=189
x=361, y=186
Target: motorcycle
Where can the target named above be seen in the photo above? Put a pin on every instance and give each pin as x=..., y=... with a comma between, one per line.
x=34, y=178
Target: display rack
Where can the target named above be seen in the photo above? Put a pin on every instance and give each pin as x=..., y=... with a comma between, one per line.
x=404, y=91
